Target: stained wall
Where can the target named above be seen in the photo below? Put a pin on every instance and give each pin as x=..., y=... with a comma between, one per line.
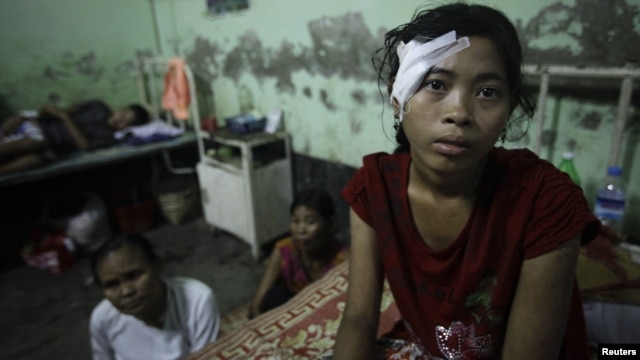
x=312, y=60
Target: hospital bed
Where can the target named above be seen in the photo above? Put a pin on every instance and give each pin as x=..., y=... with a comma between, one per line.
x=150, y=76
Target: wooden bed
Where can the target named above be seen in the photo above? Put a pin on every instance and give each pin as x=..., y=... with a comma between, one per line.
x=150, y=85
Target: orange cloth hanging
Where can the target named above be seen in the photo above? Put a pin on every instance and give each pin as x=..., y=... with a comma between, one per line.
x=176, y=97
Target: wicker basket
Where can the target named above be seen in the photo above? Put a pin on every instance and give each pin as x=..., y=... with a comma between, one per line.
x=179, y=205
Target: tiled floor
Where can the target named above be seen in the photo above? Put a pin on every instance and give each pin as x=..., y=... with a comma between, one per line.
x=45, y=316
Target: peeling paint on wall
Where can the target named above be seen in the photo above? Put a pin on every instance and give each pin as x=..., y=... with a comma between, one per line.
x=548, y=137
x=596, y=32
x=343, y=46
x=340, y=46
x=202, y=59
x=69, y=76
x=70, y=65
x=359, y=97
x=591, y=120
x=324, y=97
x=355, y=125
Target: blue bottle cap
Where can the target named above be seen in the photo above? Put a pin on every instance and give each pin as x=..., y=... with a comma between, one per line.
x=614, y=171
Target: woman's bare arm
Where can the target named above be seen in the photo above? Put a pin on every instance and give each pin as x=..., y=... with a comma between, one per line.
x=271, y=275
x=24, y=146
x=540, y=309
x=359, y=325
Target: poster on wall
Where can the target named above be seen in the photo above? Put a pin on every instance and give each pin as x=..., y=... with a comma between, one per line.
x=220, y=7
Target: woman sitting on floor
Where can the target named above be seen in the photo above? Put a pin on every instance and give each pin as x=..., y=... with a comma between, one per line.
x=309, y=253
x=144, y=315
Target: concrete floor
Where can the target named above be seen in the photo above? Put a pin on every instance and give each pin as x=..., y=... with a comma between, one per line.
x=46, y=316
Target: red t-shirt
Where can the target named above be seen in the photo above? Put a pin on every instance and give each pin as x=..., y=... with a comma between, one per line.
x=455, y=303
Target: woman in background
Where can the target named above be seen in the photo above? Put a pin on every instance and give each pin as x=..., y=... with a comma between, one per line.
x=479, y=243
x=33, y=138
x=309, y=253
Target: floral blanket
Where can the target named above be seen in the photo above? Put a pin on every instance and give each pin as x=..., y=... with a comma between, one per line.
x=607, y=270
x=304, y=328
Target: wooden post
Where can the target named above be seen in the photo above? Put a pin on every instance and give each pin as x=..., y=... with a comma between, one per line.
x=542, y=105
x=626, y=88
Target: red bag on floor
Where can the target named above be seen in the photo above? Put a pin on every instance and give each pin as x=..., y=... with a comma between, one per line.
x=49, y=249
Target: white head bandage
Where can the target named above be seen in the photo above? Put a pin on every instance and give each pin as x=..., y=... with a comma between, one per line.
x=417, y=57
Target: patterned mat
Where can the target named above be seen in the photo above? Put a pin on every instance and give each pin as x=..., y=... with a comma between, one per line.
x=303, y=329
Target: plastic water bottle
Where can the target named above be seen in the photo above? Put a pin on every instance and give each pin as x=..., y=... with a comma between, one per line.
x=567, y=166
x=609, y=206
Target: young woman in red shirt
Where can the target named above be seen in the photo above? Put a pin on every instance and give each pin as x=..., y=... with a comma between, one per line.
x=479, y=243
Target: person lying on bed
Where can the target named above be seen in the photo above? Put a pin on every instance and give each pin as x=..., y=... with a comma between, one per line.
x=305, y=256
x=479, y=243
x=144, y=315
x=34, y=138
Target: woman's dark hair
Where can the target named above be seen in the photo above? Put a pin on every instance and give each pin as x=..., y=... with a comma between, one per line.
x=466, y=20
x=316, y=199
x=142, y=115
x=117, y=242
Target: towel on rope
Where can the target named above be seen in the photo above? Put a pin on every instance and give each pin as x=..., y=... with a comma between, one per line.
x=176, y=96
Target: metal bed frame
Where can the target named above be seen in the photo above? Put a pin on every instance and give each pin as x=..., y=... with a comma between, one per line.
x=149, y=84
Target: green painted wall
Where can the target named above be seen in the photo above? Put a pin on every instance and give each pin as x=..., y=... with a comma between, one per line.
x=72, y=49
x=312, y=59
